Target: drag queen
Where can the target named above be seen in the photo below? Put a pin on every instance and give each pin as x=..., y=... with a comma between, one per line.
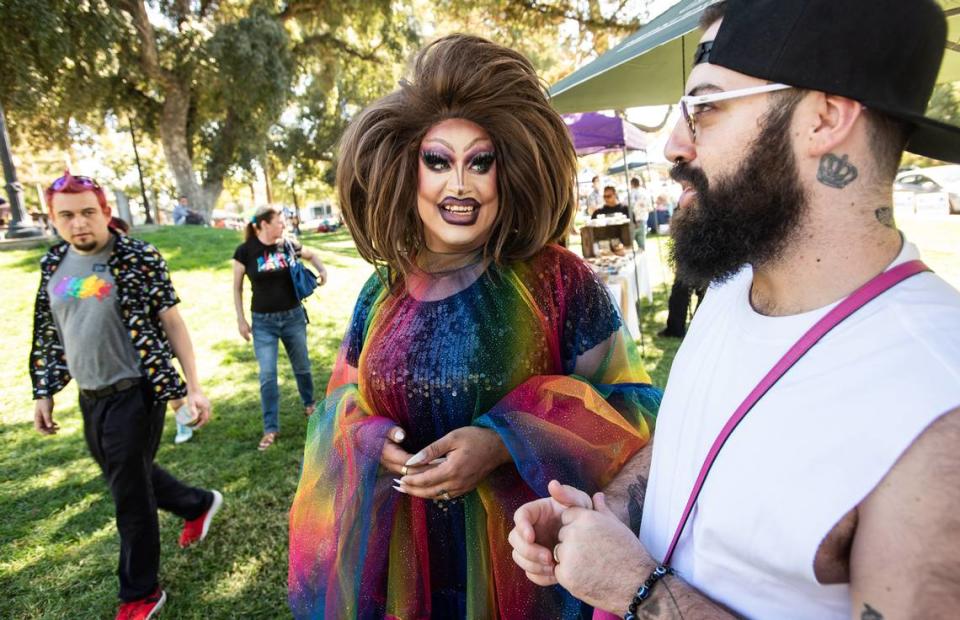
x=482, y=359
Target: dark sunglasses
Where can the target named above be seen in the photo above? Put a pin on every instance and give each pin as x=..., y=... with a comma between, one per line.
x=87, y=182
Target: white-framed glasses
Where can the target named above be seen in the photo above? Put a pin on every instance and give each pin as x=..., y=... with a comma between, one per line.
x=690, y=103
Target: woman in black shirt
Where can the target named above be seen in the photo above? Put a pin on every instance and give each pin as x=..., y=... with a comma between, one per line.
x=277, y=313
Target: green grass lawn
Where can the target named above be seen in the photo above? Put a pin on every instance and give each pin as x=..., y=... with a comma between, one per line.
x=58, y=544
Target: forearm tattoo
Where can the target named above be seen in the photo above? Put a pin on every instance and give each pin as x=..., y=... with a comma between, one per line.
x=869, y=613
x=662, y=605
x=836, y=172
x=636, y=493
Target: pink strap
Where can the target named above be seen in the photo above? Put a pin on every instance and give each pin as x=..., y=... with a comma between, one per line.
x=845, y=308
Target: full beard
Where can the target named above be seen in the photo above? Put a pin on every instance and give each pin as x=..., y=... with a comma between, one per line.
x=750, y=216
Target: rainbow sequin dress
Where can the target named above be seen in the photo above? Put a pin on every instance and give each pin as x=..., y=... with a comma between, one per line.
x=534, y=351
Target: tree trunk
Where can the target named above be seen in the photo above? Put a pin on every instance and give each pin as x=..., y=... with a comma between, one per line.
x=174, y=115
x=268, y=184
x=173, y=136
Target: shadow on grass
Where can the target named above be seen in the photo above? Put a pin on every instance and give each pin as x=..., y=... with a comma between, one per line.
x=27, y=260
x=658, y=351
x=63, y=538
x=239, y=571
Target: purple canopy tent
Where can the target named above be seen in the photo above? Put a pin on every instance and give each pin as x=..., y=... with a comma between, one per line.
x=594, y=132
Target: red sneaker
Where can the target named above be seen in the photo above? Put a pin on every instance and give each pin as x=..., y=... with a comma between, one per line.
x=196, y=529
x=143, y=609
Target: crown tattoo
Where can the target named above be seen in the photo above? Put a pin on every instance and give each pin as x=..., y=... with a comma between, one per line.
x=836, y=171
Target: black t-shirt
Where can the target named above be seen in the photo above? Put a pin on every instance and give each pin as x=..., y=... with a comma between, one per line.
x=608, y=211
x=269, y=271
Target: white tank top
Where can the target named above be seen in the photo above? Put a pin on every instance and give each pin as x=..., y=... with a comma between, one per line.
x=811, y=449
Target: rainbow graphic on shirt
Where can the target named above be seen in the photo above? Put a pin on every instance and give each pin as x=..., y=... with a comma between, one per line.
x=272, y=261
x=83, y=288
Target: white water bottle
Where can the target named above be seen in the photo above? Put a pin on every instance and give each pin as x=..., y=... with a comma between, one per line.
x=184, y=417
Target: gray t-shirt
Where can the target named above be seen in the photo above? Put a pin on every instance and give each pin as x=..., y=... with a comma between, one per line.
x=83, y=298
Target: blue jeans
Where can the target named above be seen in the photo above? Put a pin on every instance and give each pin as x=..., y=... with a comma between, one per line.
x=269, y=328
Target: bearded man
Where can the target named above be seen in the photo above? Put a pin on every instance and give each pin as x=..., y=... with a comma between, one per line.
x=832, y=492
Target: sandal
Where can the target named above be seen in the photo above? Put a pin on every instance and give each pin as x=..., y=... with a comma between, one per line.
x=266, y=441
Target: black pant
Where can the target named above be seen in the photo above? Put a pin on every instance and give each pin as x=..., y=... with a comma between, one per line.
x=123, y=432
x=678, y=305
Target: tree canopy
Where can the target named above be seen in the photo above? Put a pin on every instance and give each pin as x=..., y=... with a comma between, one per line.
x=230, y=86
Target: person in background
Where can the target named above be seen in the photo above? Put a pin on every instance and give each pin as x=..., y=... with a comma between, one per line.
x=181, y=210
x=678, y=306
x=641, y=204
x=659, y=215
x=595, y=197
x=295, y=225
x=277, y=314
x=106, y=315
x=611, y=204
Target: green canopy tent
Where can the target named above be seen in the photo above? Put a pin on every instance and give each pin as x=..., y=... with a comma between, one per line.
x=650, y=66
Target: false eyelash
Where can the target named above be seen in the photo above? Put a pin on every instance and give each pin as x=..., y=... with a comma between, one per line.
x=435, y=161
x=482, y=162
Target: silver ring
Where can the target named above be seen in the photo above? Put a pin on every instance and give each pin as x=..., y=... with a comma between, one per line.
x=403, y=470
x=556, y=559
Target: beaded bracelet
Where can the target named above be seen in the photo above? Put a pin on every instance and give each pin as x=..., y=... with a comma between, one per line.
x=643, y=592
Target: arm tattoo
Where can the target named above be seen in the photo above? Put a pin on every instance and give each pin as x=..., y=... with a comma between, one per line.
x=836, y=172
x=869, y=613
x=660, y=606
x=885, y=216
x=636, y=493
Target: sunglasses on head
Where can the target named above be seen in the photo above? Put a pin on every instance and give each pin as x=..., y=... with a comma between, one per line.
x=83, y=181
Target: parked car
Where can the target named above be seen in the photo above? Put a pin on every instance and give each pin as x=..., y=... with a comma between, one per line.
x=328, y=224
x=928, y=190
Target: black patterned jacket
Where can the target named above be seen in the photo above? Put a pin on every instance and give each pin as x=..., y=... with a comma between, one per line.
x=144, y=291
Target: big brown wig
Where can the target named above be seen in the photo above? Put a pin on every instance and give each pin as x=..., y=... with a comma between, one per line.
x=465, y=77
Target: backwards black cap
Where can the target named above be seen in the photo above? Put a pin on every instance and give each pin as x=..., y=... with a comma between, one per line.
x=886, y=54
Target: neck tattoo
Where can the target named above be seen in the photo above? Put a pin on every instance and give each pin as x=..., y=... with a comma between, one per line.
x=836, y=172
x=885, y=216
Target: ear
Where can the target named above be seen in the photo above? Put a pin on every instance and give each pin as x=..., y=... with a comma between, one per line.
x=832, y=121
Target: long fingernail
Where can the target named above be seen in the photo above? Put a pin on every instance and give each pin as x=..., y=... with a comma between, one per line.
x=416, y=459
x=399, y=482
x=399, y=489
x=442, y=459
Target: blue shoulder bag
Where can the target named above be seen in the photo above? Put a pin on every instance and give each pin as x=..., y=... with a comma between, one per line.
x=304, y=280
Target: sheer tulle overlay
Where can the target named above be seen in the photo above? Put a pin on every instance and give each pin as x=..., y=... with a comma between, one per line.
x=534, y=351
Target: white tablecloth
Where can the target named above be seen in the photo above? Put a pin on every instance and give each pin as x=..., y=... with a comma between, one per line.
x=626, y=287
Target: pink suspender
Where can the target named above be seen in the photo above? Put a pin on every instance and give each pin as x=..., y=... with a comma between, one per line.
x=845, y=308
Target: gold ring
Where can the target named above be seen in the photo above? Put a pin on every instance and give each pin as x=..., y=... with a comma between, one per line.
x=403, y=470
x=556, y=558
x=444, y=495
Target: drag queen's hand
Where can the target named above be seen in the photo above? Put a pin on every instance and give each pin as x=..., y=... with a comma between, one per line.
x=393, y=456
x=471, y=453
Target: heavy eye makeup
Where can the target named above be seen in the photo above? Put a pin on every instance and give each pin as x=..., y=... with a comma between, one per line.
x=435, y=160
x=482, y=162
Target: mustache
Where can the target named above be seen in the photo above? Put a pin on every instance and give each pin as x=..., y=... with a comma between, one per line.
x=462, y=202
x=694, y=176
